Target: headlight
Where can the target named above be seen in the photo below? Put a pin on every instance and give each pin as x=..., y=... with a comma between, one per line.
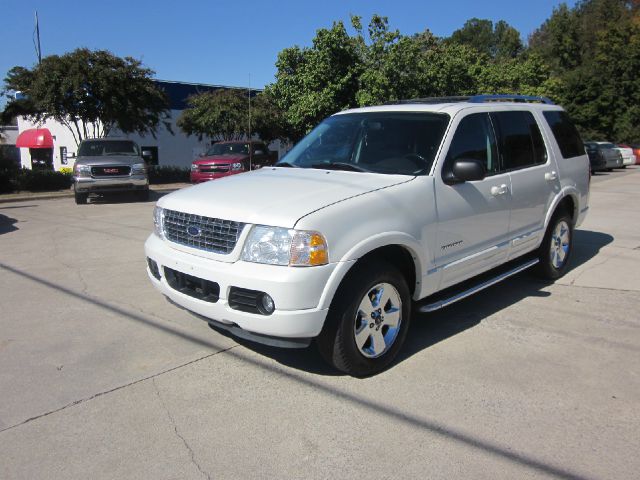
x=282, y=246
x=158, y=220
x=236, y=166
x=138, y=169
x=82, y=170
x=194, y=167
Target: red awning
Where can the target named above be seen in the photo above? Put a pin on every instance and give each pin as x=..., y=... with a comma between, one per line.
x=35, y=138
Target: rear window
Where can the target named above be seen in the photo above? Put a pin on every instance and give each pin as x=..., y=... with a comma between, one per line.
x=565, y=133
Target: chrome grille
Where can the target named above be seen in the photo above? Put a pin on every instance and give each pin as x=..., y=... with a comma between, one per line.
x=214, y=168
x=206, y=233
x=110, y=171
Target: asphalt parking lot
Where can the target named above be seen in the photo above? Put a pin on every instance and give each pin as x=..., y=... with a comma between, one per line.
x=101, y=377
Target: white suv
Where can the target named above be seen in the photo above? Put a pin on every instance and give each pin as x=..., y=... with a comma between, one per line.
x=377, y=210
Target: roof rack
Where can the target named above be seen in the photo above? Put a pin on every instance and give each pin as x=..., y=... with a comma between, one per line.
x=477, y=99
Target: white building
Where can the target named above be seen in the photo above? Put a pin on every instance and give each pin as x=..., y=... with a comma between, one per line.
x=53, y=143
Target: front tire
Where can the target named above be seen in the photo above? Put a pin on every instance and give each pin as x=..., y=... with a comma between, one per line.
x=368, y=320
x=81, y=198
x=556, y=248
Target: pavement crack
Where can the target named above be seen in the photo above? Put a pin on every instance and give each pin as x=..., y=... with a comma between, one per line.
x=115, y=389
x=175, y=429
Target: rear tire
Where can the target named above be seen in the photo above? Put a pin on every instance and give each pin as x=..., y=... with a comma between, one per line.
x=368, y=320
x=81, y=198
x=556, y=248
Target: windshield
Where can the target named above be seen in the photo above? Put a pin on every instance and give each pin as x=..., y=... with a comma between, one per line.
x=97, y=148
x=607, y=145
x=229, y=149
x=402, y=143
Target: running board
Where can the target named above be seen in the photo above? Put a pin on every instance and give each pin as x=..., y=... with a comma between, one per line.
x=432, y=307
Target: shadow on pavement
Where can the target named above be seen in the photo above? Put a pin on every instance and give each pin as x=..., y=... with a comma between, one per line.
x=428, y=329
x=126, y=197
x=433, y=427
x=7, y=224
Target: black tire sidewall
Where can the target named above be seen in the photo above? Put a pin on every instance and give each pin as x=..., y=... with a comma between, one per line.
x=547, y=270
x=339, y=342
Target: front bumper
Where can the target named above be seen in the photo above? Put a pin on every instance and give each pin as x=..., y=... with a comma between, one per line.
x=199, y=177
x=296, y=291
x=110, y=184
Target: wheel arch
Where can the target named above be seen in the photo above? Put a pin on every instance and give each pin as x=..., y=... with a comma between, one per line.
x=567, y=199
x=398, y=249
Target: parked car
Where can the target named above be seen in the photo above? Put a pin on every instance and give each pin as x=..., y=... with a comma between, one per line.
x=229, y=158
x=636, y=152
x=377, y=210
x=108, y=165
x=628, y=158
x=597, y=160
x=607, y=152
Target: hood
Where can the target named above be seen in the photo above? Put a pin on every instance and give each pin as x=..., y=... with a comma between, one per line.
x=221, y=159
x=275, y=196
x=109, y=160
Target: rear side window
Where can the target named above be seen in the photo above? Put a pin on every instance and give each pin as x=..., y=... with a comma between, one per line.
x=474, y=140
x=565, y=133
x=520, y=143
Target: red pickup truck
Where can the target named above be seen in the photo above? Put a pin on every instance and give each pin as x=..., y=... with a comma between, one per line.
x=229, y=158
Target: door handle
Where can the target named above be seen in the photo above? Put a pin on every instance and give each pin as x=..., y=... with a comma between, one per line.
x=550, y=176
x=501, y=190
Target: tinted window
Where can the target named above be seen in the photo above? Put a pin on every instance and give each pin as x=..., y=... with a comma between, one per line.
x=474, y=139
x=382, y=142
x=565, y=133
x=521, y=143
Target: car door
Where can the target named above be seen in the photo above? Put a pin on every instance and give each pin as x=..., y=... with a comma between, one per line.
x=534, y=178
x=473, y=217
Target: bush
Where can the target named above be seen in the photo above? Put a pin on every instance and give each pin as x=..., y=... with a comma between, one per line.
x=8, y=172
x=42, y=180
x=165, y=174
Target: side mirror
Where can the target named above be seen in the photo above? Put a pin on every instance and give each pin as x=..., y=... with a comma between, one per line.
x=258, y=152
x=465, y=170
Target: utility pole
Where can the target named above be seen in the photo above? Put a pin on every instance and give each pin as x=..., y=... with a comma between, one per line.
x=37, y=40
x=250, y=146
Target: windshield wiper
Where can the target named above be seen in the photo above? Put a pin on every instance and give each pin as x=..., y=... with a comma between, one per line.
x=340, y=166
x=286, y=164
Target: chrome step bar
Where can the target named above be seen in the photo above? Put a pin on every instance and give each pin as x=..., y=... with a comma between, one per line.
x=432, y=307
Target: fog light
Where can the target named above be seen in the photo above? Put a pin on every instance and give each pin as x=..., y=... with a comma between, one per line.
x=266, y=304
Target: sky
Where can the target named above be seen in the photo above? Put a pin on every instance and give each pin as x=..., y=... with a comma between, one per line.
x=222, y=42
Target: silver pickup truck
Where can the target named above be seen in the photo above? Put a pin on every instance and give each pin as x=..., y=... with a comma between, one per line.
x=109, y=165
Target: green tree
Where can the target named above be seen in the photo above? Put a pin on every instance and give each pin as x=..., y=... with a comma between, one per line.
x=90, y=92
x=224, y=115
x=593, y=51
x=315, y=82
x=498, y=42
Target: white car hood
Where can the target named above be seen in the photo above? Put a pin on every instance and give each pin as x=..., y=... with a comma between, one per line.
x=275, y=196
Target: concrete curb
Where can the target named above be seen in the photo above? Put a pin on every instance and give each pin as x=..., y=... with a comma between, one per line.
x=26, y=196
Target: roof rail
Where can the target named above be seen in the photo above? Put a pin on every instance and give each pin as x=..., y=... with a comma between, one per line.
x=476, y=99
x=510, y=98
x=429, y=100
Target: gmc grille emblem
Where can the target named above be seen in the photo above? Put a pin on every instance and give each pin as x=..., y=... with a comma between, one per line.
x=111, y=170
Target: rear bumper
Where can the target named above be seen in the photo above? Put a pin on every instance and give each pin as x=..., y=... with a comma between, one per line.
x=110, y=184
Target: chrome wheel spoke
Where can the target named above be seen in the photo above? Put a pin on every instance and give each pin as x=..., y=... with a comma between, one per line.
x=363, y=336
x=392, y=317
x=378, y=344
x=378, y=320
x=366, y=307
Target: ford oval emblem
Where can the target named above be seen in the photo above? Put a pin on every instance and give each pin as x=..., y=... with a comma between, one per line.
x=194, y=230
